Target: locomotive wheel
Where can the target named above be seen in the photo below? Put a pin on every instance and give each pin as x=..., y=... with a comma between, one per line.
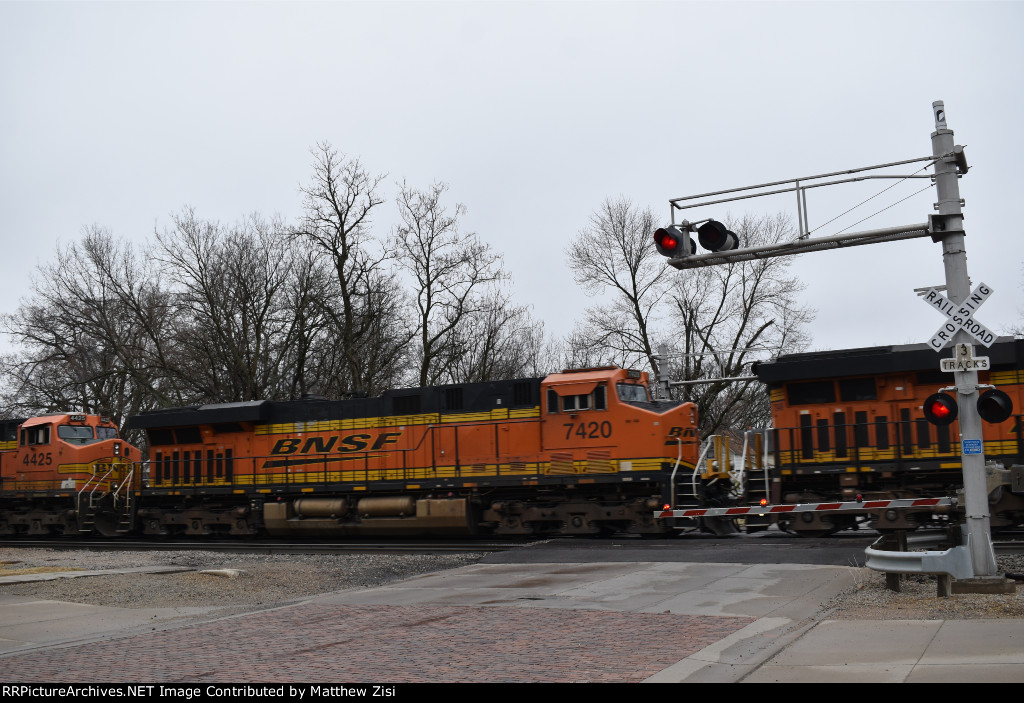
x=106, y=525
x=107, y=519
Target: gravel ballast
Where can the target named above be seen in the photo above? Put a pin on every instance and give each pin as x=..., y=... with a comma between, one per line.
x=238, y=579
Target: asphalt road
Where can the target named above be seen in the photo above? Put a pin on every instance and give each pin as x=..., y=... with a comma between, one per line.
x=759, y=548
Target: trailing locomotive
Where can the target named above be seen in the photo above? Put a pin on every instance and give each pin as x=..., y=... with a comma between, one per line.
x=851, y=423
x=577, y=452
x=65, y=473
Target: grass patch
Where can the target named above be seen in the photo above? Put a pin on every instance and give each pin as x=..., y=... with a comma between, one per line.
x=7, y=568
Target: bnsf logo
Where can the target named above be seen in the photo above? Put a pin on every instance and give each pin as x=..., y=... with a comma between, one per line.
x=682, y=432
x=336, y=443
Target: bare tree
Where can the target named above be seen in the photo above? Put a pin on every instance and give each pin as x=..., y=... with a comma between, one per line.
x=91, y=333
x=715, y=320
x=500, y=341
x=235, y=328
x=311, y=359
x=364, y=305
x=450, y=270
x=260, y=309
x=613, y=255
x=729, y=315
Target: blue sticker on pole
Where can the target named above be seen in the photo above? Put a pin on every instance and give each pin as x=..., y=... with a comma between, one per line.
x=971, y=446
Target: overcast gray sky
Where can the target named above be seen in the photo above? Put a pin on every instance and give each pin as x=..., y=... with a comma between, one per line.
x=118, y=114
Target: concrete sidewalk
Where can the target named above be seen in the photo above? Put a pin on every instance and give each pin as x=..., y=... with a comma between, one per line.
x=901, y=651
x=658, y=622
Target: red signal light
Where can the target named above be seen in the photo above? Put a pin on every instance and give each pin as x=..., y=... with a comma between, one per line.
x=665, y=240
x=940, y=409
x=764, y=502
x=672, y=242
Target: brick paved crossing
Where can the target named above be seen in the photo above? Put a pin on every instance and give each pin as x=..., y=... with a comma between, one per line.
x=396, y=644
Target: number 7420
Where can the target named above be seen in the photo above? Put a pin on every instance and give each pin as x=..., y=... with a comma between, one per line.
x=588, y=430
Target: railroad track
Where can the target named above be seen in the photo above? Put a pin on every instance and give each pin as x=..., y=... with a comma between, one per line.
x=268, y=546
x=1012, y=543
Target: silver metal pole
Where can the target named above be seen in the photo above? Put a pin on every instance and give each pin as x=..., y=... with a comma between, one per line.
x=958, y=286
x=799, y=213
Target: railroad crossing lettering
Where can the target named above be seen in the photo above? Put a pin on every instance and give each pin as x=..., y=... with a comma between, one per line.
x=961, y=317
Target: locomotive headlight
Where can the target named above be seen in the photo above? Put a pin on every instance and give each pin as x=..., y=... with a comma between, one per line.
x=117, y=449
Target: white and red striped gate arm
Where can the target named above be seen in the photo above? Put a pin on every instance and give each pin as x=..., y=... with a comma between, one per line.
x=849, y=506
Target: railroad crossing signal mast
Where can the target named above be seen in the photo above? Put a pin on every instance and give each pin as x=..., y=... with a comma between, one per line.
x=674, y=241
x=949, y=229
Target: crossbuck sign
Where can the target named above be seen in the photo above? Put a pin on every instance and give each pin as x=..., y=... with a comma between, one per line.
x=961, y=317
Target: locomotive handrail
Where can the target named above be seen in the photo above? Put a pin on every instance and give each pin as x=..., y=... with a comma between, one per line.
x=763, y=460
x=675, y=469
x=125, y=483
x=99, y=482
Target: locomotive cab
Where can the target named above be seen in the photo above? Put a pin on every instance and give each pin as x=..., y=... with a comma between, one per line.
x=62, y=449
x=588, y=410
x=65, y=473
x=605, y=420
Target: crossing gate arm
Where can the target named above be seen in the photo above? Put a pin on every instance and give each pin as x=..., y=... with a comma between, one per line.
x=853, y=506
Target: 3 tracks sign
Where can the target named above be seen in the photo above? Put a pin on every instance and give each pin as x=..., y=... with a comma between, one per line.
x=964, y=360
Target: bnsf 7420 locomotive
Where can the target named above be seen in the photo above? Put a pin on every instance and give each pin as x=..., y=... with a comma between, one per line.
x=578, y=452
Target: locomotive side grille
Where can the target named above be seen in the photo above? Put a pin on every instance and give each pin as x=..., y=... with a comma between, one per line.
x=599, y=462
x=561, y=463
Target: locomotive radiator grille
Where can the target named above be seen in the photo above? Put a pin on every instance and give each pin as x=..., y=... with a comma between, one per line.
x=599, y=462
x=561, y=463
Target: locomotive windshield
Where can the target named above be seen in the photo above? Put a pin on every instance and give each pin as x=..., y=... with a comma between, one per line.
x=75, y=434
x=83, y=434
x=632, y=393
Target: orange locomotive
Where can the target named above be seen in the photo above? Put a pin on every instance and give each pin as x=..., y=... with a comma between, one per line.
x=66, y=473
x=577, y=452
x=851, y=422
